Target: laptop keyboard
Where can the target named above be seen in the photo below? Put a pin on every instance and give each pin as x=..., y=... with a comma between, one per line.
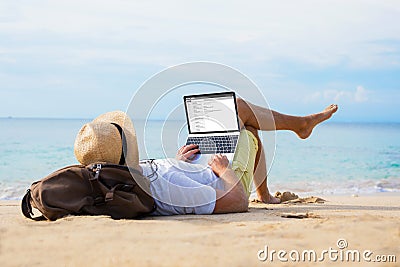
x=215, y=144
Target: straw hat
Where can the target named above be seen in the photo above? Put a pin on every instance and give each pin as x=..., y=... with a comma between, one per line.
x=101, y=141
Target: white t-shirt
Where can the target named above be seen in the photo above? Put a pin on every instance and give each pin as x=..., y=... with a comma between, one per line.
x=179, y=187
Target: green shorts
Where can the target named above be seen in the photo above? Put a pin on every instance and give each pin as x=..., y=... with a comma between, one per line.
x=244, y=159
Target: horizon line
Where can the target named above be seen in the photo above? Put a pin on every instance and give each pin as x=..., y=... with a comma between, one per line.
x=161, y=119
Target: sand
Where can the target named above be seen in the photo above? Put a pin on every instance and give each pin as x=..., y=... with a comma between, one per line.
x=370, y=222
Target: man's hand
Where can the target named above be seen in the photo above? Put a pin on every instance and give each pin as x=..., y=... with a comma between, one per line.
x=219, y=163
x=186, y=153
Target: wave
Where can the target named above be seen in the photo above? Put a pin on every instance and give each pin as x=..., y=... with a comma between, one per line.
x=17, y=190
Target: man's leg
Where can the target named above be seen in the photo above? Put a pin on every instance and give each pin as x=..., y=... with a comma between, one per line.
x=269, y=120
x=254, y=118
x=244, y=160
x=260, y=172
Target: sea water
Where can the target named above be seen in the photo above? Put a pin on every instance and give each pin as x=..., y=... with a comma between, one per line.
x=338, y=158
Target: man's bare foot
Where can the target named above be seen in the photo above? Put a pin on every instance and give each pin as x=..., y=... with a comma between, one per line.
x=313, y=120
x=274, y=200
x=271, y=200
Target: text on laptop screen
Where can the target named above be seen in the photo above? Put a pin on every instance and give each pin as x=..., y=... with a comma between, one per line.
x=211, y=113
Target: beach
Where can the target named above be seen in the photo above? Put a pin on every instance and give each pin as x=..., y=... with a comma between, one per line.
x=367, y=225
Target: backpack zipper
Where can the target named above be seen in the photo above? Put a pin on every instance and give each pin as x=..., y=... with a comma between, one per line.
x=98, y=166
x=97, y=173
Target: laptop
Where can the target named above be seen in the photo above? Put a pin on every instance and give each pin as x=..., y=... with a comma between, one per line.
x=213, y=125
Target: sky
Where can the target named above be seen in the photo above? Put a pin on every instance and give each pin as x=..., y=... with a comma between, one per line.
x=78, y=59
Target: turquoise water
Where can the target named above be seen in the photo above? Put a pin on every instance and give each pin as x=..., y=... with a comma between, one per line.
x=338, y=157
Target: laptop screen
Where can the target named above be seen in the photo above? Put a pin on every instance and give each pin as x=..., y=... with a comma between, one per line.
x=210, y=113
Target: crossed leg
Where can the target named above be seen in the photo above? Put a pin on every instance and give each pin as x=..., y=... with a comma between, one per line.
x=254, y=118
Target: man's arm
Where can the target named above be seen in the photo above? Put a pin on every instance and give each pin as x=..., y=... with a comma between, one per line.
x=233, y=198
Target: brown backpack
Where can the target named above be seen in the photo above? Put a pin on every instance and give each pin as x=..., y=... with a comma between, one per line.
x=96, y=189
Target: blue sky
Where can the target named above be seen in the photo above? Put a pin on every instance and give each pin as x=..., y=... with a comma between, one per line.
x=82, y=58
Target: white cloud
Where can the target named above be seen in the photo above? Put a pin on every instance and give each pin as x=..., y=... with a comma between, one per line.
x=358, y=96
x=337, y=95
x=322, y=33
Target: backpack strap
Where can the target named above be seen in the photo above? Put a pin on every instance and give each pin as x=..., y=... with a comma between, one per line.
x=26, y=207
x=99, y=198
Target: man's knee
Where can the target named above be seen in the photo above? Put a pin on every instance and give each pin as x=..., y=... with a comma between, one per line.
x=253, y=130
x=241, y=105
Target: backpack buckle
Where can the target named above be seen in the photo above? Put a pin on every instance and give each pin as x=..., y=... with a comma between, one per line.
x=96, y=169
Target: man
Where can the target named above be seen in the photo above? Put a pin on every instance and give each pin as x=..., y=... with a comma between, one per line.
x=180, y=187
